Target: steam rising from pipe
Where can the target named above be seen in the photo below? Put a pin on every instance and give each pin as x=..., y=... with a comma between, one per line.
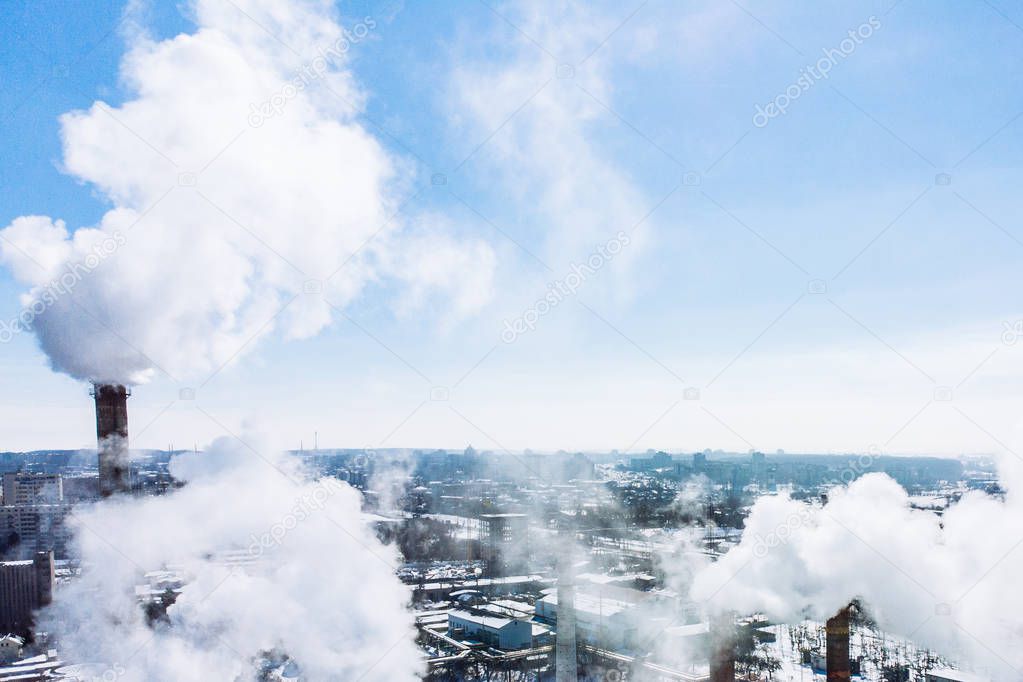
x=274, y=564
x=219, y=232
x=946, y=582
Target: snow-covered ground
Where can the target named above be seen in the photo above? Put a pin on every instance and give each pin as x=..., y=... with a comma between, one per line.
x=874, y=649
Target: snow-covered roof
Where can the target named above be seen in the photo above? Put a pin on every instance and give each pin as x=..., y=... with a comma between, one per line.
x=957, y=675
x=692, y=630
x=495, y=622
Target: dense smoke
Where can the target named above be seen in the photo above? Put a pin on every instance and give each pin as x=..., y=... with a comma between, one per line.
x=245, y=195
x=306, y=578
x=948, y=582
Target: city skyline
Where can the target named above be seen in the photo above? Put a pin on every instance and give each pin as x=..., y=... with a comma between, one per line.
x=534, y=340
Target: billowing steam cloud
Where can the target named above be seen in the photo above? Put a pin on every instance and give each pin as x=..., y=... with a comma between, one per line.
x=246, y=197
x=243, y=185
x=307, y=579
x=948, y=582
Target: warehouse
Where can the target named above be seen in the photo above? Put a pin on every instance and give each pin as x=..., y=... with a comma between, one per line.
x=495, y=631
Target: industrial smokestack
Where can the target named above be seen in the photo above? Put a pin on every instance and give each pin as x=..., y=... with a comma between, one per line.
x=565, y=661
x=838, y=647
x=722, y=648
x=112, y=437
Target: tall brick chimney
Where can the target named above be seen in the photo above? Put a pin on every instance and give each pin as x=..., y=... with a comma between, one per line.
x=112, y=437
x=722, y=648
x=566, y=666
x=837, y=629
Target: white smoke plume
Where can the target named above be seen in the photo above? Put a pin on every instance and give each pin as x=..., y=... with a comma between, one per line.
x=309, y=578
x=947, y=582
x=246, y=193
x=546, y=151
x=390, y=480
x=693, y=495
x=246, y=197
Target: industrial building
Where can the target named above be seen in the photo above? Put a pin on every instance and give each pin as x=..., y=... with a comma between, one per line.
x=44, y=667
x=599, y=621
x=496, y=631
x=10, y=648
x=950, y=675
x=24, y=587
x=439, y=590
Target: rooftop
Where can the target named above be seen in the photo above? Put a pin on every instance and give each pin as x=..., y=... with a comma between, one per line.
x=589, y=604
x=494, y=622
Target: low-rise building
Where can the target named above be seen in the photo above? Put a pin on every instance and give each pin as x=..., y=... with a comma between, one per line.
x=600, y=621
x=10, y=648
x=496, y=631
x=950, y=675
x=41, y=668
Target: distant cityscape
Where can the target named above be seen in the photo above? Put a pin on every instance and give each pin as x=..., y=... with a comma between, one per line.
x=483, y=535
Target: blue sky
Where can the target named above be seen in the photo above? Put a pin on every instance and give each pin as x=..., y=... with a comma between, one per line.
x=811, y=280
